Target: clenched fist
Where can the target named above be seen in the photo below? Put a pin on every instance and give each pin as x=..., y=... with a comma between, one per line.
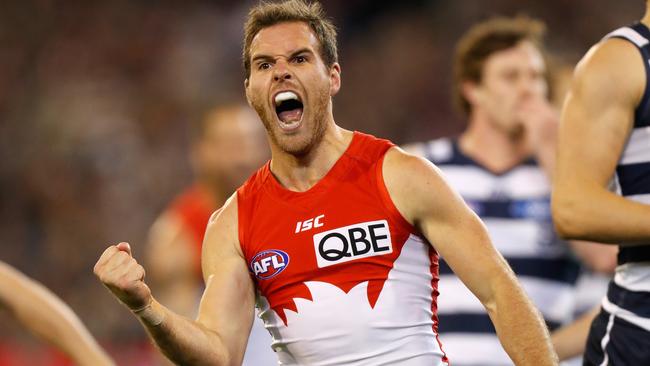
x=123, y=276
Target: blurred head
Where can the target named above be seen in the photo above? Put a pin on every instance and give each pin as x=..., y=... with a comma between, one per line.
x=229, y=144
x=499, y=64
x=291, y=72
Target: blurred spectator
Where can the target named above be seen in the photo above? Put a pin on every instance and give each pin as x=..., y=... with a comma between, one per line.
x=229, y=144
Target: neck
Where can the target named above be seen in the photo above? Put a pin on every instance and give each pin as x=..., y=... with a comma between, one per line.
x=300, y=173
x=646, y=17
x=493, y=148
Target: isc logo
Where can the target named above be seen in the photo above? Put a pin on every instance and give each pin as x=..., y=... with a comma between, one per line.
x=366, y=239
x=269, y=263
x=309, y=224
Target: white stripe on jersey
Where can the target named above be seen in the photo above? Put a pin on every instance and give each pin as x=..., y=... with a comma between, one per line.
x=554, y=300
x=605, y=340
x=629, y=34
x=439, y=150
x=633, y=276
x=521, y=238
x=640, y=198
x=638, y=147
x=624, y=314
x=474, y=183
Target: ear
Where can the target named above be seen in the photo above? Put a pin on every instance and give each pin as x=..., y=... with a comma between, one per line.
x=471, y=91
x=335, y=78
x=247, y=90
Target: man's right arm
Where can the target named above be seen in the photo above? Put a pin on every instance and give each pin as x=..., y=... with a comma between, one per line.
x=219, y=335
x=596, y=122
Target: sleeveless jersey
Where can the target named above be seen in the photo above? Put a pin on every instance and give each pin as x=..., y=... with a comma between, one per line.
x=628, y=296
x=515, y=207
x=342, y=277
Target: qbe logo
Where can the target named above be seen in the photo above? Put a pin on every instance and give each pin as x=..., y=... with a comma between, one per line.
x=269, y=263
x=366, y=239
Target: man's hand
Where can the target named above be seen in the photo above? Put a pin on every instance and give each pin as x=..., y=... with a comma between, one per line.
x=540, y=120
x=123, y=276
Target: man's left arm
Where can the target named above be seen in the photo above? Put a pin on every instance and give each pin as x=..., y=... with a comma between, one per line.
x=461, y=238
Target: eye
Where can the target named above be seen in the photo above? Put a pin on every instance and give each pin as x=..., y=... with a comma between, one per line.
x=510, y=76
x=263, y=66
x=300, y=59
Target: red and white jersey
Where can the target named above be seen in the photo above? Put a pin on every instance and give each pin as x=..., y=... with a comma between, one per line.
x=342, y=277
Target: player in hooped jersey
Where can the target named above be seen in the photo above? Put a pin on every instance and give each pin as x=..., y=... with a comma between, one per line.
x=602, y=188
x=338, y=233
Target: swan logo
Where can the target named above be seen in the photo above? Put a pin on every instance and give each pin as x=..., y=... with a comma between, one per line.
x=269, y=263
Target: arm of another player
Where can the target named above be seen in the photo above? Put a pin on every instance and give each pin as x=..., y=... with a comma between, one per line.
x=460, y=237
x=45, y=315
x=596, y=121
x=171, y=265
x=219, y=335
x=570, y=340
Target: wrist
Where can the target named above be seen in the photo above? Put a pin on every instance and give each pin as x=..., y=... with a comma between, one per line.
x=150, y=314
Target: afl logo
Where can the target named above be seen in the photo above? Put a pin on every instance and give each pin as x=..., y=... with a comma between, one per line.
x=269, y=263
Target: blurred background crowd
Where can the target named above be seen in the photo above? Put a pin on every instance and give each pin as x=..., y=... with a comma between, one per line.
x=98, y=98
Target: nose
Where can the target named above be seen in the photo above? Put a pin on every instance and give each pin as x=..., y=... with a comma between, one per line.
x=526, y=88
x=281, y=72
x=533, y=85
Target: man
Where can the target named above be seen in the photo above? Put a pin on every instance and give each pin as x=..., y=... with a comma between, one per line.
x=603, y=145
x=228, y=145
x=500, y=81
x=46, y=316
x=333, y=232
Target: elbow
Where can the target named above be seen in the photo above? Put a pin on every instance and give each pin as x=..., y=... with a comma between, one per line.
x=567, y=218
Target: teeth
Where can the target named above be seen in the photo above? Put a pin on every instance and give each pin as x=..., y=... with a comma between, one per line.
x=281, y=97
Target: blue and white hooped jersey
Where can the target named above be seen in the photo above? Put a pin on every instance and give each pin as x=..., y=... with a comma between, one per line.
x=515, y=207
x=629, y=293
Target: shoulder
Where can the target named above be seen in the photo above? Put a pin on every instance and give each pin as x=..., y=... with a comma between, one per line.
x=614, y=68
x=226, y=216
x=415, y=185
x=221, y=236
x=398, y=160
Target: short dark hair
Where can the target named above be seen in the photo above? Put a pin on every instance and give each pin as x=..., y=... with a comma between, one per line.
x=266, y=14
x=484, y=39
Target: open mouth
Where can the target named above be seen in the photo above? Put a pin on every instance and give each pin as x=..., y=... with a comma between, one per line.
x=288, y=107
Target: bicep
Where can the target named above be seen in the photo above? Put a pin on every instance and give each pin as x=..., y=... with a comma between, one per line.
x=462, y=240
x=598, y=114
